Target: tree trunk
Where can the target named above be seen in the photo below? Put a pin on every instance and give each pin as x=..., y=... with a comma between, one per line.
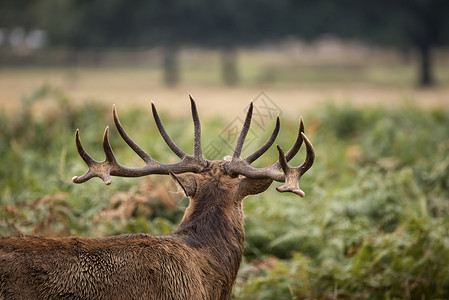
x=230, y=71
x=171, y=66
x=425, y=65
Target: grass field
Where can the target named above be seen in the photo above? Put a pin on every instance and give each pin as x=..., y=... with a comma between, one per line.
x=301, y=81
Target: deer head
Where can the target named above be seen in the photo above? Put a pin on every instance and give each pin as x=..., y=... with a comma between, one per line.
x=240, y=178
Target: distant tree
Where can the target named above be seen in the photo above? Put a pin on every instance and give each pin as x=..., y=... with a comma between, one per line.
x=418, y=24
x=405, y=24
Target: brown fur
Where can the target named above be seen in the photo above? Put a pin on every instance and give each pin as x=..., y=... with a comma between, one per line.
x=199, y=260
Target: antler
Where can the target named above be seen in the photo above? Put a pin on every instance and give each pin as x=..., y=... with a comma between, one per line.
x=189, y=163
x=290, y=175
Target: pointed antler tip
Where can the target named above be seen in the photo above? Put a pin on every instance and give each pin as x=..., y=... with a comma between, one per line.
x=192, y=102
x=297, y=191
x=301, y=125
x=106, y=136
x=74, y=179
x=77, y=137
x=281, y=152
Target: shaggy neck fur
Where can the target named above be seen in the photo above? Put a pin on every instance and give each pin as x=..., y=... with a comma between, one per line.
x=214, y=222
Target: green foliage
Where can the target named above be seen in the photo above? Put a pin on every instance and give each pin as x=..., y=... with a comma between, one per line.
x=373, y=225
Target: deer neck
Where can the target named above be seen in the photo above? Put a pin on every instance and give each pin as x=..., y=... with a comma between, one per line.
x=209, y=225
x=215, y=226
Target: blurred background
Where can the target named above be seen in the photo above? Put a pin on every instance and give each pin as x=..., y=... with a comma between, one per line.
x=302, y=52
x=371, y=79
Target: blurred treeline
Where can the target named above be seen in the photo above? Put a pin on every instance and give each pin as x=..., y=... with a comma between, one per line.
x=374, y=223
x=409, y=25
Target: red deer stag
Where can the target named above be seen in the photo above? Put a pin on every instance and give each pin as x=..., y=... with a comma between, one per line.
x=199, y=260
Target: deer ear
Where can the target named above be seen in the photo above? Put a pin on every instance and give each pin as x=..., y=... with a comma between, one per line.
x=186, y=182
x=248, y=186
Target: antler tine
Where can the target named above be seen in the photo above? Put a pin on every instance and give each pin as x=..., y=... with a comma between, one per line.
x=181, y=154
x=133, y=145
x=197, y=152
x=294, y=148
x=107, y=147
x=79, y=147
x=267, y=145
x=86, y=157
x=95, y=168
x=310, y=155
x=298, y=142
x=293, y=174
x=243, y=133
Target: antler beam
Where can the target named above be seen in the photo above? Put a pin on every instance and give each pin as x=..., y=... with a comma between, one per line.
x=104, y=169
